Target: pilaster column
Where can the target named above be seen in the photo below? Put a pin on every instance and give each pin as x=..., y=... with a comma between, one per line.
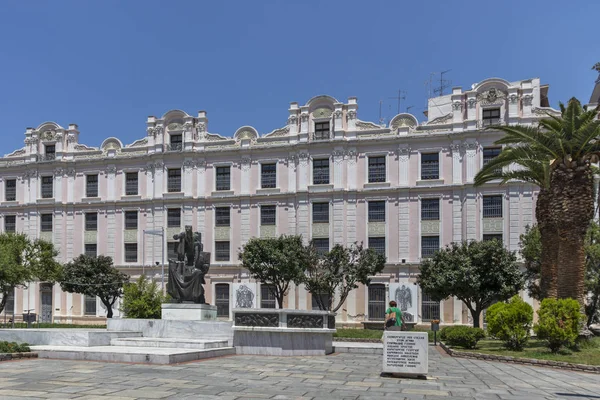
x=403, y=227
x=351, y=155
x=351, y=115
x=291, y=164
x=158, y=179
x=111, y=174
x=350, y=219
x=303, y=171
x=457, y=220
x=188, y=173
x=470, y=153
x=201, y=176
x=514, y=206
x=245, y=221
x=111, y=226
x=513, y=104
x=471, y=206
x=338, y=168
x=188, y=140
x=403, y=165
x=302, y=227
x=149, y=172
x=293, y=119
x=339, y=226
x=338, y=132
x=304, y=117
x=246, y=167
x=71, y=184
x=456, y=163
x=58, y=189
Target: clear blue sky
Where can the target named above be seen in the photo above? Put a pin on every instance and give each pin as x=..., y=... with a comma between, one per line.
x=106, y=65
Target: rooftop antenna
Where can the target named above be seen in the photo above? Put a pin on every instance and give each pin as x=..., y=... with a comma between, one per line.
x=408, y=108
x=380, y=117
x=401, y=96
x=444, y=83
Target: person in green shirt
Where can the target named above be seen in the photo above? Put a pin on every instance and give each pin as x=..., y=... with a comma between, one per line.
x=393, y=315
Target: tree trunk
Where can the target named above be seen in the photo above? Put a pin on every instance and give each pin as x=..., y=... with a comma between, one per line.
x=549, y=244
x=279, y=298
x=3, y=301
x=475, y=314
x=572, y=211
x=108, y=305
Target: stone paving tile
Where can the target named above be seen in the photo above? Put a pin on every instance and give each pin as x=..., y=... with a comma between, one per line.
x=341, y=376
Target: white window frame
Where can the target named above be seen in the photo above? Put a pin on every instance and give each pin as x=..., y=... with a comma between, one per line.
x=384, y=154
x=124, y=173
x=320, y=157
x=505, y=209
x=260, y=163
x=440, y=152
x=222, y=164
x=440, y=233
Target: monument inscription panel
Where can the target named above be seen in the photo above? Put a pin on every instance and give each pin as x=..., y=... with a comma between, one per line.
x=405, y=352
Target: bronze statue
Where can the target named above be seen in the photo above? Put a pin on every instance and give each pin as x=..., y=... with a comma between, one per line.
x=186, y=274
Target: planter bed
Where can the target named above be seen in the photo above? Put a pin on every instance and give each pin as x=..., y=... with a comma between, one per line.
x=519, y=360
x=16, y=356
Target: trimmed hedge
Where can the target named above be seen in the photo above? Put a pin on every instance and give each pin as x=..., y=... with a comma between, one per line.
x=510, y=322
x=14, y=347
x=463, y=336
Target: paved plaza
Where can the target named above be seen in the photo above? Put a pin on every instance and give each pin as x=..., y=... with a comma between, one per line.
x=338, y=376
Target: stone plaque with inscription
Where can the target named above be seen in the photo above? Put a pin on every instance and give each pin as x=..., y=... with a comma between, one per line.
x=405, y=353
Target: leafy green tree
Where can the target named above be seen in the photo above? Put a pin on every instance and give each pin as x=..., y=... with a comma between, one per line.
x=340, y=271
x=531, y=251
x=276, y=262
x=592, y=274
x=142, y=299
x=23, y=260
x=94, y=276
x=477, y=273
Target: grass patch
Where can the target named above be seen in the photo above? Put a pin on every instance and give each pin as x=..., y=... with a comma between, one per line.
x=588, y=353
x=354, y=333
x=48, y=325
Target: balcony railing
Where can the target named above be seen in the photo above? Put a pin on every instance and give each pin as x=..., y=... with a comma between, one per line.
x=174, y=147
x=484, y=123
x=46, y=157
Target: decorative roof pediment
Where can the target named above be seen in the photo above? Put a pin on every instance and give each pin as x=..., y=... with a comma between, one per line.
x=444, y=119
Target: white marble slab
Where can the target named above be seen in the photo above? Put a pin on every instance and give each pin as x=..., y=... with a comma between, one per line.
x=160, y=328
x=188, y=312
x=405, y=353
x=64, y=337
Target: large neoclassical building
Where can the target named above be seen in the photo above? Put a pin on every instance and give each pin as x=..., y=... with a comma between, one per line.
x=403, y=188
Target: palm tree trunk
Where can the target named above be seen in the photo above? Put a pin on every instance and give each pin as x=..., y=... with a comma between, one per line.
x=549, y=241
x=573, y=209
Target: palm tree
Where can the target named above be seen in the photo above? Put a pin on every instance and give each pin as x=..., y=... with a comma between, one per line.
x=570, y=144
x=532, y=169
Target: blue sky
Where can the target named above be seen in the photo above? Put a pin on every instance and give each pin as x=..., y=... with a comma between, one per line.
x=107, y=65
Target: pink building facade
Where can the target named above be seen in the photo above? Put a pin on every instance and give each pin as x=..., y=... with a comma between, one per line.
x=404, y=188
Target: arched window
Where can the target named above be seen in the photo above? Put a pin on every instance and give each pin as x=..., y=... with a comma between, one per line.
x=376, y=308
x=222, y=299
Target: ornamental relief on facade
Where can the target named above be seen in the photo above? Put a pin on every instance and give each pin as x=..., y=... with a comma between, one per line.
x=279, y=132
x=441, y=120
x=364, y=125
x=493, y=225
x=430, y=227
x=320, y=230
x=376, y=228
x=222, y=232
x=90, y=237
x=268, y=231
x=491, y=97
x=351, y=114
x=322, y=113
x=130, y=235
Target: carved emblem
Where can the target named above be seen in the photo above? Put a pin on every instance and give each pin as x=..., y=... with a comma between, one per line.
x=457, y=105
x=471, y=102
x=322, y=113
x=292, y=120
x=351, y=114
x=244, y=298
x=338, y=114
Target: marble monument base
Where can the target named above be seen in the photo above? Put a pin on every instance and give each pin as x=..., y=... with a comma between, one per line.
x=188, y=312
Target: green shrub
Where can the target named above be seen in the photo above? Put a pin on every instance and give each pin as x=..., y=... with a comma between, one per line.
x=463, y=336
x=445, y=331
x=142, y=299
x=510, y=322
x=14, y=347
x=558, y=323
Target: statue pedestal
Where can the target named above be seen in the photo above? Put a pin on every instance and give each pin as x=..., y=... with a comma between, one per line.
x=188, y=312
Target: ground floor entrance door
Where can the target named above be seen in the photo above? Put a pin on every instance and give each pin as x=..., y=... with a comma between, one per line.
x=46, y=311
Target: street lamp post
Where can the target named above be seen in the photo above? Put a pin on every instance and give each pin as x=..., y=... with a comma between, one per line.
x=159, y=232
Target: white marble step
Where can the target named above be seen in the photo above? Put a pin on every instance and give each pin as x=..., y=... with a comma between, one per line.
x=358, y=347
x=146, y=355
x=173, y=343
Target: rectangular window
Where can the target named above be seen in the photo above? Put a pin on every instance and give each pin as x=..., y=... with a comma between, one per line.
x=223, y=178
x=377, y=169
x=222, y=216
x=174, y=180
x=91, y=249
x=173, y=217
x=49, y=152
x=131, y=184
x=172, y=250
x=267, y=298
x=131, y=219
x=376, y=211
x=377, y=244
x=493, y=236
x=9, y=307
x=321, y=172
x=46, y=222
x=91, y=221
x=321, y=130
x=268, y=176
x=222, y=251
x=130, y=252
x=321, y=245
x=429, y=245
x=490, y=153
x=376, y=303
x=47, y=187
x=91, y=188
x=10, y=190
x=176, y=142
x=491, y=116
x=320, y=212
x=10, y=223
x=430, y=166
x=222, y=299
x=267, y=215
x=492, y=206
x=430, y=209
x=90, y=305
x=430, y=309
